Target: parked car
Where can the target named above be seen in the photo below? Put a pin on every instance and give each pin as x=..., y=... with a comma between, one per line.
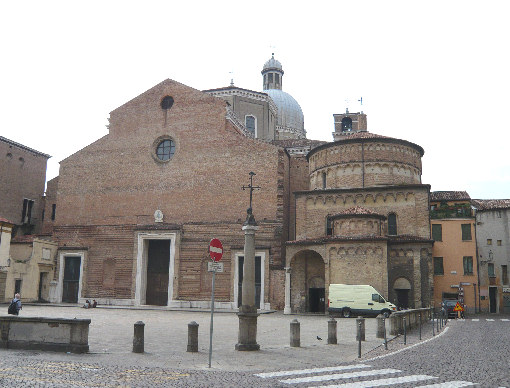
x=448, y=306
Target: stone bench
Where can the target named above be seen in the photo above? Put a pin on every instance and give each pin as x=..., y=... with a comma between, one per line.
x=54, y=334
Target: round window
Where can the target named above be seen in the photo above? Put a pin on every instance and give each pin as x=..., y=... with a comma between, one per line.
x=165, y=149
x=167, y=102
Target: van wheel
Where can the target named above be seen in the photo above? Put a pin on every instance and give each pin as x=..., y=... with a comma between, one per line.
x=346, y=313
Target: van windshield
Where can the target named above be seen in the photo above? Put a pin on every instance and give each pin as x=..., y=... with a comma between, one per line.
x=378, y=298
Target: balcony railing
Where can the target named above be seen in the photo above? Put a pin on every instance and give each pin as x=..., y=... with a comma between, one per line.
x=451, y=212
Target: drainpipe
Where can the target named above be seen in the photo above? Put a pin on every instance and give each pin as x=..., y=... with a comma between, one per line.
x=477, y=270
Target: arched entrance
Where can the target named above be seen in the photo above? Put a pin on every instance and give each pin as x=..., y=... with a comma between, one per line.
x=402, y=288
x=307, y=284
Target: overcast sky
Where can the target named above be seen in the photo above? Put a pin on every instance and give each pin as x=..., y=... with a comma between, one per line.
x=436, y=73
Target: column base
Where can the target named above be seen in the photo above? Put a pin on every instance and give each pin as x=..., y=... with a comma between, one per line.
x=287, y=310
x=247, y=347
x=247, y=340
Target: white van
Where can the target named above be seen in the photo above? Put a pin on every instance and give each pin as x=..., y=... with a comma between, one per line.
x=348, y=300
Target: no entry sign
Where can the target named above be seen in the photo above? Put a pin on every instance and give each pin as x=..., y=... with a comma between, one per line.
x=215, y=249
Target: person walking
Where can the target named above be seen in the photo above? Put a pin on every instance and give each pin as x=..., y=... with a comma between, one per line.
x=15, y=305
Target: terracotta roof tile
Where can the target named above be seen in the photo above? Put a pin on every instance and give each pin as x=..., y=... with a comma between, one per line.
x=28, y=238
x=365, y=135
x=288, y=143
x=449, y=196
x=491, y=204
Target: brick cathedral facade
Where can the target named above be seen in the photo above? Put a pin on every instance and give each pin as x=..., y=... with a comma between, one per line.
x=137, y=208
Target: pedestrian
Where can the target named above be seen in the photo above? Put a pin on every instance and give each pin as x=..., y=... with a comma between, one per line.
x=94, y=303
x=87, y=304
x=15, y=305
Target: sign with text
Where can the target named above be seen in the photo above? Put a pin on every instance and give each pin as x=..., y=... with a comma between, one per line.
x=214, y=266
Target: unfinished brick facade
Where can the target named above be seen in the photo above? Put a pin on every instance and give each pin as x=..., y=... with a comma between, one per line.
x=108, y=194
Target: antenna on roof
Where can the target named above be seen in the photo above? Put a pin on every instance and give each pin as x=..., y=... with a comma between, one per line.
x=231, y=79
x=361, y=101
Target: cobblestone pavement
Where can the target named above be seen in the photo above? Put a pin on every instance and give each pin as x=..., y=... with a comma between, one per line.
x=471, y=352
x=166, y=363
x=166, y=336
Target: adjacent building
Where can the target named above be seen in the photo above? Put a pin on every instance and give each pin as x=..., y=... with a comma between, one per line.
x=493, y=241
x=454, y=253
x=22, y=180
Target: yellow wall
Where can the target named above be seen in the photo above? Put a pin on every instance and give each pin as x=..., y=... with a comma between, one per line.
x=452, y=249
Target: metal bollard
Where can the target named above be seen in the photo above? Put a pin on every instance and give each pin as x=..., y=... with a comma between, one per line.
x=420, y=324
x=332, y=339
x=361, y=333
x=295, y=334
x=138, y=337
x=433, y=325
x=192, y=337
x=358, y=337
x=405, y=331
x=385, y=341
x=437, y=325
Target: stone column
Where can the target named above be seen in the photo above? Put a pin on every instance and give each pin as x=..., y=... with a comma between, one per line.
x=247, y=339
x=287, y=309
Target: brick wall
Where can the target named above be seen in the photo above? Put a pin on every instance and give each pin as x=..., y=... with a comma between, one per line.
x=22, y=175
x=114, y=186
x=49, y=200
x=410, y=204
x=349, y=165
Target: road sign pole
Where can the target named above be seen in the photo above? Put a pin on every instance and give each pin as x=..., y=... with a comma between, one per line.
x=216, y=252
x=212, y=317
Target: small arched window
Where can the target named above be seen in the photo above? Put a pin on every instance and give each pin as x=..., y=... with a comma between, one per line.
x=324, y=180
x=329, y=226
x=392, y=224
x=346, y=124
x=251, y=124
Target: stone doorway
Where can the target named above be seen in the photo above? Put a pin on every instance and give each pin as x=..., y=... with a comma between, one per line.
x=158, y=262
x=402, y=288
x=493, y=293
x=307, y=283
x=71, y=282
x=316, y=300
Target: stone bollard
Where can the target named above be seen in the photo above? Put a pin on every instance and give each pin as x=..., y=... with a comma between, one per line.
x=138, y=337
x=295, y=340
x=380, y=326
x=192, y=337
x=361, y=330
x=332, y=332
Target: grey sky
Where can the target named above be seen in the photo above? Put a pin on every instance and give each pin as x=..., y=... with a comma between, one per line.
x=435, y=73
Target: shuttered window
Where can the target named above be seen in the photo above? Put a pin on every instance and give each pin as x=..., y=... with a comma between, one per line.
x=468, y=265
x=466, y=232
x=437, y=232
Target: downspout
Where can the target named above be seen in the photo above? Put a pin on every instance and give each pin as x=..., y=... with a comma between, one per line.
x=477, y=269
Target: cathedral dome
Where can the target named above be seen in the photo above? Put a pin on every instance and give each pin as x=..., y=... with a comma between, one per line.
x=290, y=123
x=290, y=114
